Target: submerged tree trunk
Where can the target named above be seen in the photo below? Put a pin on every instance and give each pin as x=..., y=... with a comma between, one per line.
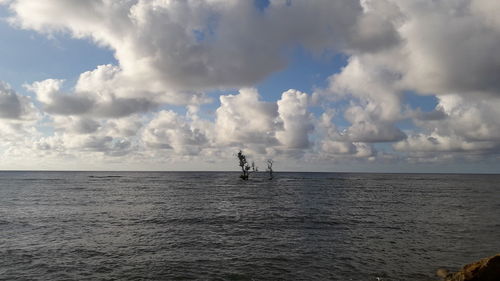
x=270, y=168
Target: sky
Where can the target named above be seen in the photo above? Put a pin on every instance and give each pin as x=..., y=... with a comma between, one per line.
x=325, y=85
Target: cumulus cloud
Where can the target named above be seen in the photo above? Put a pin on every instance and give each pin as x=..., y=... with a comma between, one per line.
x=245, y=120
x=171, y=47
x=174, y=52
x=99, y=103
x=368, y=127
x=48, y=92
x=98, y=143
x=451, y=49
x=473, y=119
x=168, y=130
x=297, y=120
x=86, y=138
x=464, y=126
x=76, y=125
x=374, y=99
x=14, y=106
x=376, y=29
x=126, y=126
x=333, y=143
x=439, y=143
x=444, y=48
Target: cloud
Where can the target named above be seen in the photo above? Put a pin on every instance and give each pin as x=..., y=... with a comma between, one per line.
x=473, y=119
x=444, y=48
x=265, y=127
x=297, y=120
x=126, y=126
x=333, y=143
x=49, y=94
x=245, y=120
x=175, y=52
x=368, y=127
x=168, y=130
x=98, y=143
x=451, y=52
x=177, y=48
x=464, y=126
x=14, y=106
x=18, y=120
x=95, y=103
x=376, y=28
x=439, y=143
x=75, y=125
x=374, y=99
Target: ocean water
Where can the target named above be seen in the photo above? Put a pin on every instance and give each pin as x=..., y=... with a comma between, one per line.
x=214, y=226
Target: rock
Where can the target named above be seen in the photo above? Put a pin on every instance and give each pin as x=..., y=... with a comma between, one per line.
x=442, y=273
x=487, y=269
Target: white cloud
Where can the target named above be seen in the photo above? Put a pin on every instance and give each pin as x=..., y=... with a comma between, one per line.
x=297, y=120
x=445, y=48
x=439, y=143
x=246, y=121
x=335, y=144
x=374, y=95
x=368, y=127
x=170, y=47
x=464, y=126
x=168, y=130
x=174, y=52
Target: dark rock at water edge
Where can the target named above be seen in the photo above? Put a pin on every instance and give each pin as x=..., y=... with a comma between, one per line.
x=487, y=269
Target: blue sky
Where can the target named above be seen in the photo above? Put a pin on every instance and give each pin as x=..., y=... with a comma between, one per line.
x=328, y=86
x=28, y=56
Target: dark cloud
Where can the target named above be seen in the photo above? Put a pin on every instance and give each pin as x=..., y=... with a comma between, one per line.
x=86, y=126
x=14, y=106
x=69, y=105
x=93, y=104
x=121, y=107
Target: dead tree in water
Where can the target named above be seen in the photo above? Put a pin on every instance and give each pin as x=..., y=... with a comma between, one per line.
x=270, y=168
x=254, y=168
x=245, y=168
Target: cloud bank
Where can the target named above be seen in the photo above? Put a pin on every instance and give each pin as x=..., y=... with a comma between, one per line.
x=174, y=53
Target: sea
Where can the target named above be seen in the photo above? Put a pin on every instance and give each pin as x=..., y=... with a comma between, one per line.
x=215, y=226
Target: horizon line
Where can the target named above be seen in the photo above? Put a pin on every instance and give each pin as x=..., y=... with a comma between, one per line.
x=232, y=171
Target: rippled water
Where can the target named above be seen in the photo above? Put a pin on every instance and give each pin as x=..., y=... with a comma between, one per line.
x=214, y=226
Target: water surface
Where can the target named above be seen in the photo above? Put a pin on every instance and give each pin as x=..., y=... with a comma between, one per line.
x=214, y=226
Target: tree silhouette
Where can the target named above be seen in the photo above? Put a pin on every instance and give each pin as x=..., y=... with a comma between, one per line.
x=245, y=168
x=270, y=168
